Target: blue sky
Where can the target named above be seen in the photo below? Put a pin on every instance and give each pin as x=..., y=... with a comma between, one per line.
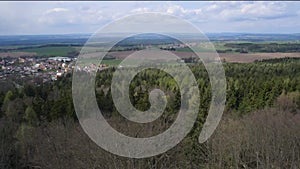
x=87, y=17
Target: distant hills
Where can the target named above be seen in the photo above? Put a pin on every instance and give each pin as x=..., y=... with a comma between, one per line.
x=253, y=37
x=19, y=40
x=80, y=39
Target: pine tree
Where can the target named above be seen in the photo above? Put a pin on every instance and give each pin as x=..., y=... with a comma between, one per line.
x=30, y=116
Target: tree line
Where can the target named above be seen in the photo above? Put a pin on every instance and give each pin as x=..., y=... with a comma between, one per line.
x=264, y=47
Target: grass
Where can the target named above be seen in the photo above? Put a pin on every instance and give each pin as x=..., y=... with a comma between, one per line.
x=10, y=47
x=51, y=50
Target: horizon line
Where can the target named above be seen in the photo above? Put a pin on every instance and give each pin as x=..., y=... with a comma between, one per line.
x=61, y=34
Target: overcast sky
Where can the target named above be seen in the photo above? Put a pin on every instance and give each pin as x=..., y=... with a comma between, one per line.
x=87, y=17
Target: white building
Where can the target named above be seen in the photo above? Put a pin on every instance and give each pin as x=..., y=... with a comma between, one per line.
x=61, y=59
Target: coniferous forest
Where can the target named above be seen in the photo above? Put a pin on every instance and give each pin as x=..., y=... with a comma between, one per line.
x=260, y=126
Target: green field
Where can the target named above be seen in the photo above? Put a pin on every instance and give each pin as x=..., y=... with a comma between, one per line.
x=51, y=50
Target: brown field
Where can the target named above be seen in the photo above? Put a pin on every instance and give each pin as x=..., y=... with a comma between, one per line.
x=16, y=54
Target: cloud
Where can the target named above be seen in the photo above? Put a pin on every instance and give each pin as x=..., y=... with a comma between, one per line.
x=66, y=17
x=212, y=7
x=255, y=11
x=224, y=11
x=140, y=10
x=57, y=10
x=195, y=15
x=79, y=16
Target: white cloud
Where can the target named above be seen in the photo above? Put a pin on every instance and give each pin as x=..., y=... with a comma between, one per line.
x=254, y=11
x=57, y=10
x=212, y=7
x=80, y=15
x=65, y=17
x=140, y=10
x=176, y=10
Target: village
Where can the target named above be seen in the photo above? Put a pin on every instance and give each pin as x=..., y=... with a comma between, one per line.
x=46, y=69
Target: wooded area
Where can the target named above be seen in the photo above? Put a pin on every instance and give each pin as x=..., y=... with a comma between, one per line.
x=260, y=127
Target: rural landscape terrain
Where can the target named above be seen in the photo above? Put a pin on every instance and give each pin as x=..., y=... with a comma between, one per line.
x=260, y=127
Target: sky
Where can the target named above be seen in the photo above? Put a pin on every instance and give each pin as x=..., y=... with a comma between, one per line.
x=59, y=17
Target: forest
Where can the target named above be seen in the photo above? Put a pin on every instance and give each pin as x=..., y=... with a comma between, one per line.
x=260, y=126
x=264, y=47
